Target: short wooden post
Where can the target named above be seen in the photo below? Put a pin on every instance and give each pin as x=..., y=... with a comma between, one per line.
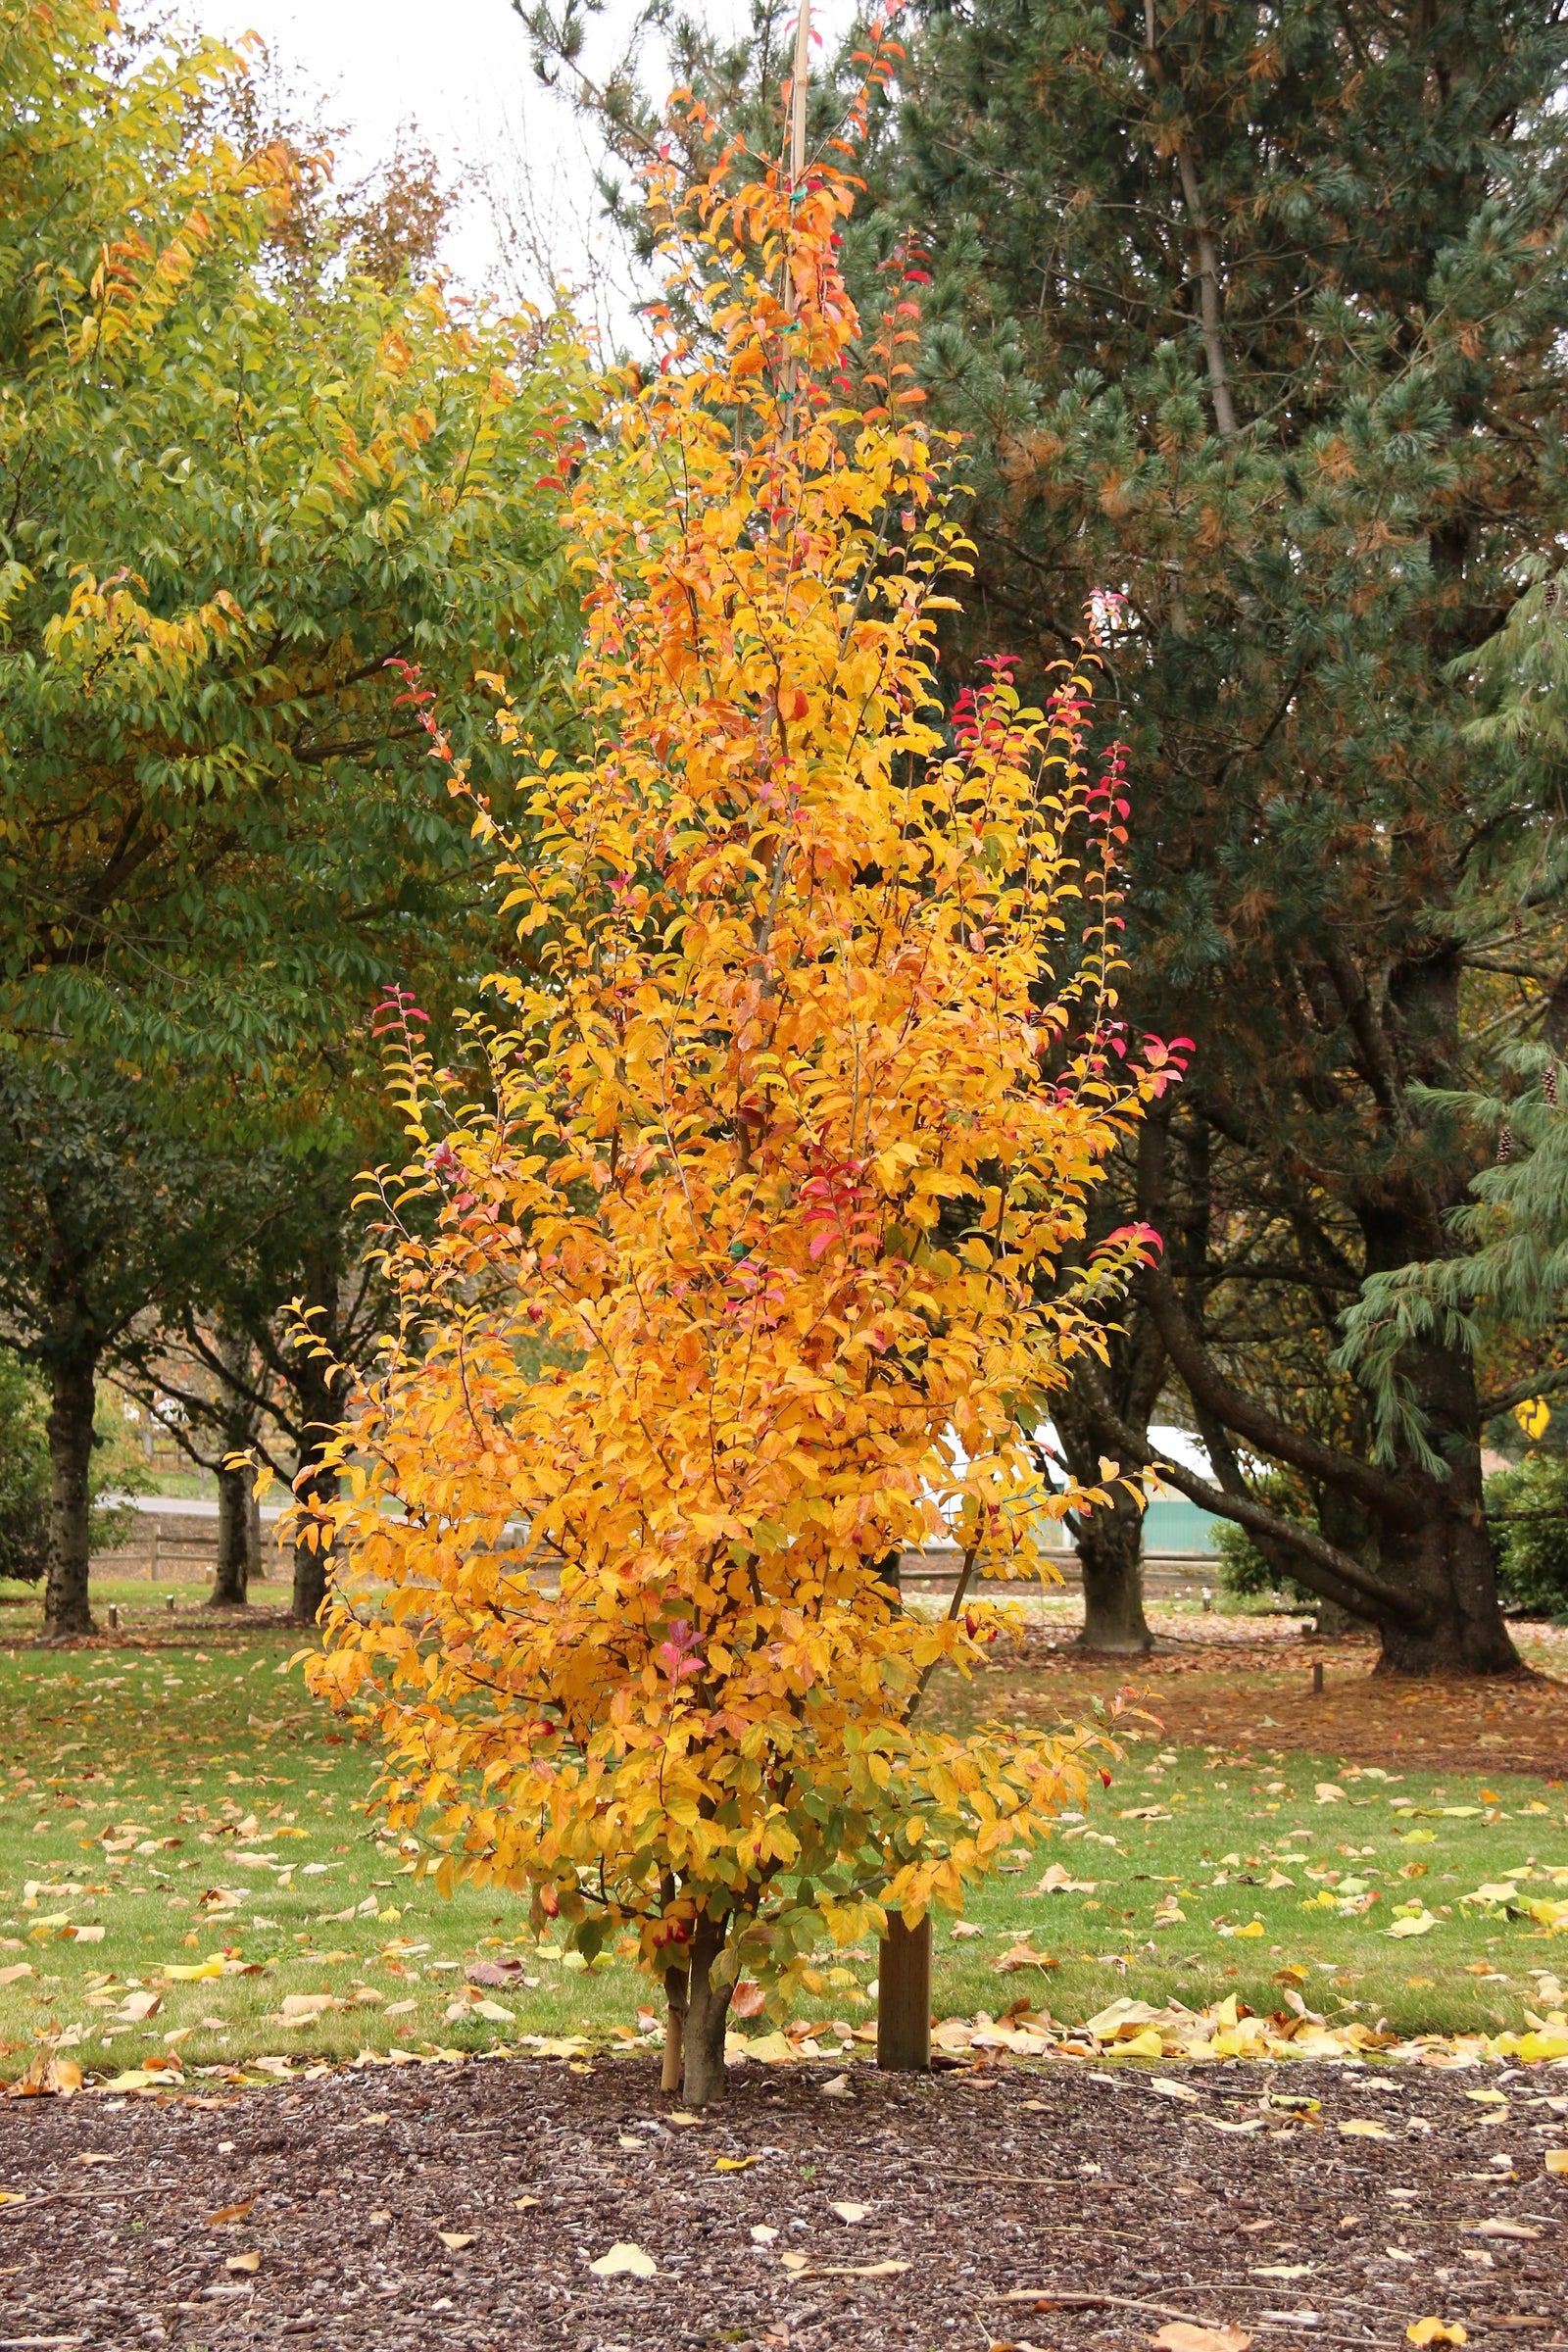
x=904, y=1997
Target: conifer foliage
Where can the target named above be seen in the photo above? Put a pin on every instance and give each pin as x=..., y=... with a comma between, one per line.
x=746, y=1268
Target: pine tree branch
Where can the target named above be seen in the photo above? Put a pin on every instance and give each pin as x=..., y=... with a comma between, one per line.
x=1326, y=1570
x=1385, y=1498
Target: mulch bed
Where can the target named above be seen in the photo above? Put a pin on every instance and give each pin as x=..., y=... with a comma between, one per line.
x=1261, y=1695
x=1069, y=2183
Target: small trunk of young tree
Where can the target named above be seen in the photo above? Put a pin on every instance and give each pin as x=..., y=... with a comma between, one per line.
x=254, y=1549
x=72, y=1387
x=903, y=1996
x=233, y=1540
x=1111, y=1549
x=706, y=2016
x=675, y=1999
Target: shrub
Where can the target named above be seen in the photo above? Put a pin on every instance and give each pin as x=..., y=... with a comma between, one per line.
x=1532, y=1551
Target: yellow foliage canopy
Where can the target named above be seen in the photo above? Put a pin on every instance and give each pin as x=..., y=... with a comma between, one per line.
x=761, y=1255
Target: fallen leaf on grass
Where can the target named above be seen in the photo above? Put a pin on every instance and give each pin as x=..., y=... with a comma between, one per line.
x=721, y=2163
x=1185, y=2335
x=15, y=1971
x=625, y=2261
x=243, y=2261
x=1024, y=1955
x=455, y=2240
x=1436, y=2332
x=1360, y=2126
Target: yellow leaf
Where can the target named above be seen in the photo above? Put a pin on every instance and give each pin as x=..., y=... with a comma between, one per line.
x=228, y=2213
x=1436, y=2332
x=624, y=2260
x=1358, y=2126
x=733, y=2164
x=248, y=2263
x=456, y=2239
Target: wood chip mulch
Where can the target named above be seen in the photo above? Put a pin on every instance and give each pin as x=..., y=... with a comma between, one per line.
x=1218, y=1692
x=1118, y=2207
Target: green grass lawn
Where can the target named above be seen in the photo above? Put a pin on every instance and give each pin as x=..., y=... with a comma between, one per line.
x=165, y=1807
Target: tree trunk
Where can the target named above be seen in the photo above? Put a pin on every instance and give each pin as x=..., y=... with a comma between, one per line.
x=234, y=1541
x=1110, y=1545
x=903, y=1996
x=707, y=2015
x=675, y=2002
x=72, y=1388
x=1447, y=1560
x=319, y=1411
x=254, y=1549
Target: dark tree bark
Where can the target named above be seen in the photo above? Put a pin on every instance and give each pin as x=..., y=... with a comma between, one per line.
x=706, y=2016
x=234, y=1507
x=71, y=1389
x=316, y=1386
x=676, y=1988
x=239, y=1513
x=903, y=1996
x=1110, y=1539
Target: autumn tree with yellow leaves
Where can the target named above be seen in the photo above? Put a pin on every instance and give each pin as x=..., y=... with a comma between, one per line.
x=758, y=1255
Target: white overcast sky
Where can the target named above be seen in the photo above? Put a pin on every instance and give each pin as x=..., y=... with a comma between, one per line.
x=460, y=69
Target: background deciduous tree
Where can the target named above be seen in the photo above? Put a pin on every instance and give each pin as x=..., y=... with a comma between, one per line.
x=231, y=492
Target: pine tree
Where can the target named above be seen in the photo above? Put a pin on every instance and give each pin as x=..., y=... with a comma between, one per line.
x=1253, y=313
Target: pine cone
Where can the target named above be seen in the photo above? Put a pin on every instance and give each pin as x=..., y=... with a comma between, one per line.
x=1505, y=1143
x=1548, y=1084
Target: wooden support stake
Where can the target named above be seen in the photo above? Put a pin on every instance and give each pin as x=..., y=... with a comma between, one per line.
x=904, y=1997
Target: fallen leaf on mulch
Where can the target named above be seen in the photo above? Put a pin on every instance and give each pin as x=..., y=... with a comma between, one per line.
x=626, y=2261
x=721, y=2163
x=1436, y=2332
x=1501, y=2228
x=1360, y=2126
x=456, y=2239
x=1558, y=2160
x=243, y=2261
x=849, y=2211
x=858, y=2269
x=1185, y=2335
